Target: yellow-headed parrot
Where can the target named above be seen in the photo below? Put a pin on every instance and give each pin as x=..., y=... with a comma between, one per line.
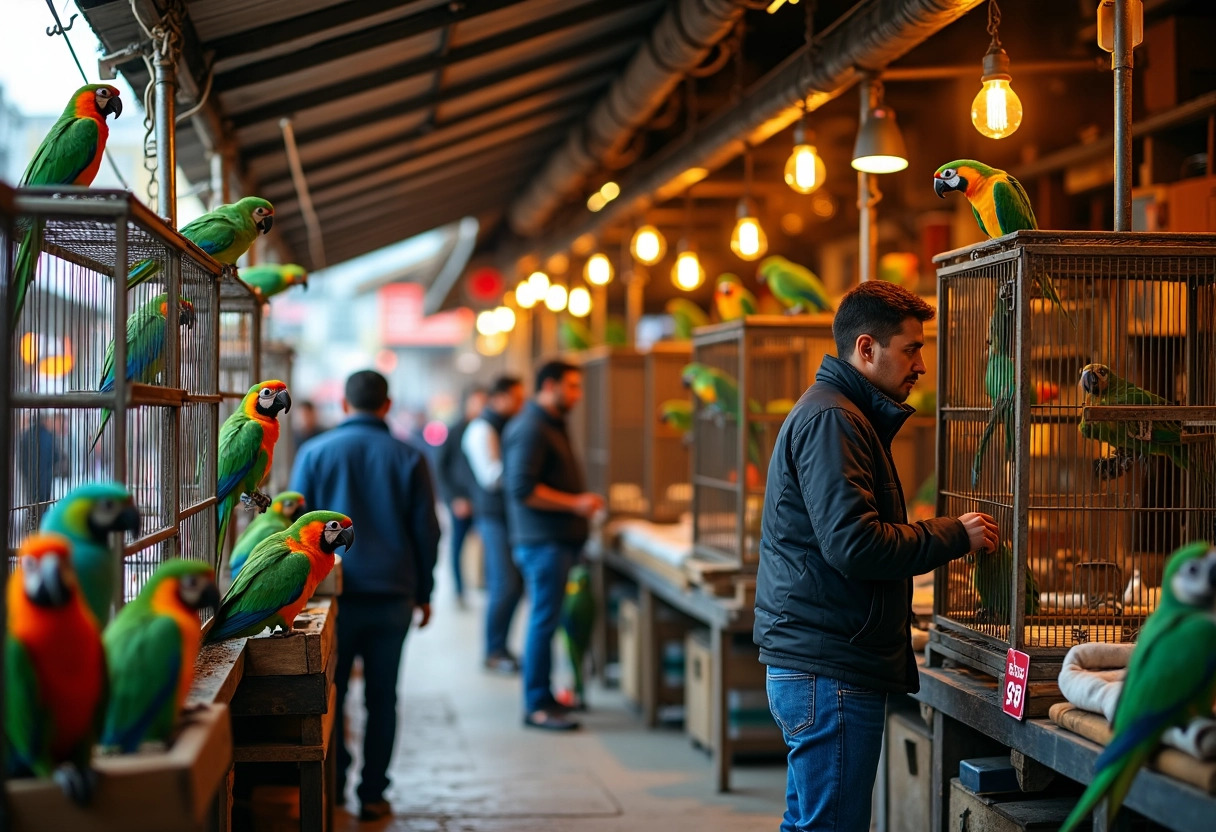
x=732, y=299
x=268, y=280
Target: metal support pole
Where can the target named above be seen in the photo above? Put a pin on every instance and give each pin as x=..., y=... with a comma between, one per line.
x=1121, y=62
x=635, y=294
x=868, y=194
x=164, y=65
x=599, y=314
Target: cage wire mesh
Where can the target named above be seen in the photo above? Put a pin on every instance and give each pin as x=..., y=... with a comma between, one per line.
x=8, y=214
x=75, y=419
x=764, y=363
x=1085, y=424
x=612, y=411
x=665, y=448
x=278, y=360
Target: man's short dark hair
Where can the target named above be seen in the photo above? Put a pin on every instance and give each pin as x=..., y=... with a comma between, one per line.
x=367, y=390
x=553, y=371
x=878, y=309
x=504, y=384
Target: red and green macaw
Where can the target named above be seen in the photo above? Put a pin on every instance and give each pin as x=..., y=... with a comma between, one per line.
x=280, y=576
x=87, y=515
x=797, y=287
x=246, y=452
x=732, y=299
x=54, y=669
x=285, y=509
x=267, y=281
x=151, y=647
x=225, y=233
x=70, y=154
x=687, y=316
x=145, y=347
x=1171, y=678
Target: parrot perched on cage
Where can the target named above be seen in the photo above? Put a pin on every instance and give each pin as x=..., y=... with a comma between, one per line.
x=145, y=347
x=285, y=509
x=677, y=415
x=280, y=576
x=1131, y=440
x=687, y=316
x=577, y=620
x=246, y=452
x=732, y=299
x=615, y=334
x=69, y=154
x=797, y=287
x=225, y=233
x=54, y=669
x=269, y=280
x=151, y=647
x=991, y=576
x=720, y=394
x=86, y=516
x=573, y=334
x=1171, y=678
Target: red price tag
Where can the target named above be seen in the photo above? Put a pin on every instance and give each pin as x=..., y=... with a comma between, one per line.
x=1017, y=671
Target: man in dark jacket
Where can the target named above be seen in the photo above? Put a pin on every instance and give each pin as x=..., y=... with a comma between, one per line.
x=359, y=469
x=455, y=482
x=837, y=555
x=547, y=515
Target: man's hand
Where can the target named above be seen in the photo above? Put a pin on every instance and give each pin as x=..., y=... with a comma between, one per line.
x=587, y=504
x=462, y=509
x=424, y=614
x=982, y=531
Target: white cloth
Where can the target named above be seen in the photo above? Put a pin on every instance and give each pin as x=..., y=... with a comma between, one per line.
x=484, y=453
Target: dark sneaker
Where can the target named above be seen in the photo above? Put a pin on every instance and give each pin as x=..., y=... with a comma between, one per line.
x=376, y=810
x=548, y=721
x=502, y=664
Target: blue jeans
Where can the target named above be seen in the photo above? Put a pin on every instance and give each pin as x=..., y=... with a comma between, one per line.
x=834, y=733
x=373, y=627
x=544, y=567
x=504, y=584
x=459, y=531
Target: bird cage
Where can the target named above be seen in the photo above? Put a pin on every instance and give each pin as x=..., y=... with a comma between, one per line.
x=612, y=409
x=665, y=460
x=912, y=448
x=240, y=342
x=154, y=432
x=277, y=361
x=769, y=360
x=1078, y=405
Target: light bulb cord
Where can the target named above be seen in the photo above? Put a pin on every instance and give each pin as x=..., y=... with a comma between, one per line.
x=994, y=24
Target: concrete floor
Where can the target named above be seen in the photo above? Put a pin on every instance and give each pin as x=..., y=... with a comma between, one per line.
x=463, y=762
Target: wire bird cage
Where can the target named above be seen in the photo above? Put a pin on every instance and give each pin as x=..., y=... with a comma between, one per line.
x=765, y=363
x=277, y=361
x=152, y=427
x=665, y=457
x=1094, y=483
x=612, y=435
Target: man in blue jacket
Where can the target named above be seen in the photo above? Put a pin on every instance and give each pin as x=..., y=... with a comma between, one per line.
x=361, y=470
x=837, y=555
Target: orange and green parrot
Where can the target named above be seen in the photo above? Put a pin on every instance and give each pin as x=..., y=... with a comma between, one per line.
x=87, y=516
x=797, y=287
x=246, y=452
x=268, y=280
x=54, y=670
x=280, y=576
x=145, y=347
x=687, y=316
x=151, y=647
x=573, y=334
x=732, y=299
x=70, y=154
x=285, y=509
x=225, y=233
x=677, y=415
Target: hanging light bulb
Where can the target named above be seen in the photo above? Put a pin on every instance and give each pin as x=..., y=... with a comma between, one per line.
x=525, y=296
x=748, y=240
x=487, y=323
x=687, y=273
x=804, y=170
x=598, y=270
x=880, y=146
x=504, y=318
x=539, y=281
x=996, y=110
x=648, y=245
x=580, y=302
x=555, y=298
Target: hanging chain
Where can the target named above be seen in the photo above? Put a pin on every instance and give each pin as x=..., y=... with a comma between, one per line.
x=994, y=21
x=166, y=37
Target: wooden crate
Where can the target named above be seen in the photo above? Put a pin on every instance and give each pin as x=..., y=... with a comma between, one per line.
x=984, y=813
x=909, y=773
x=305, y=651
x=172, y=790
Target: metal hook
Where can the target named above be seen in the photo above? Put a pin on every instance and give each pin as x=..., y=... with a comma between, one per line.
x=59, y=28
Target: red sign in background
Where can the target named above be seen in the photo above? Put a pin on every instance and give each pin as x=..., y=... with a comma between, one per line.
x=402, y=323
x=1017, y=672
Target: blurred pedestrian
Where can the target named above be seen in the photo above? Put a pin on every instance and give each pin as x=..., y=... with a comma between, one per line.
x=548, y=513
x=307, y=425
x=455, y=480
x=360, y=469
x=482, y=446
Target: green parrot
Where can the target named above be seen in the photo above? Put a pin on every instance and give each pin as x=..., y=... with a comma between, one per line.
x=720, y=395
x=246, y=452
x=269, y=280
x=1131, y=440
x=1171, y=678
x=732, y=299
x=577, y=621
x=614, y=331
x=687, y=316
x=151, y=647
x=795, y=286
x=87, y=516
x=145, y=347
x=69, y=154
x=991, y=576
x=573, y=334
x=225, y=233
x=677, y=415
x=285, y=509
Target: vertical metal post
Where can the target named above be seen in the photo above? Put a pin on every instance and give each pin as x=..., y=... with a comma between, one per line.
x=171, y=460
x=1021, y=452
x=868, y=196
x=164, y=65
x=1121, y=62
x=118, y=420
x=635, y=294
x=599, y=314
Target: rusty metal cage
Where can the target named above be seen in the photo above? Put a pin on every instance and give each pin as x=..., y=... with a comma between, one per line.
x=665, y=449
x=613, y=378
x=1086, y=358
x=154, y=431
x=277, y=361
x=770, y=360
